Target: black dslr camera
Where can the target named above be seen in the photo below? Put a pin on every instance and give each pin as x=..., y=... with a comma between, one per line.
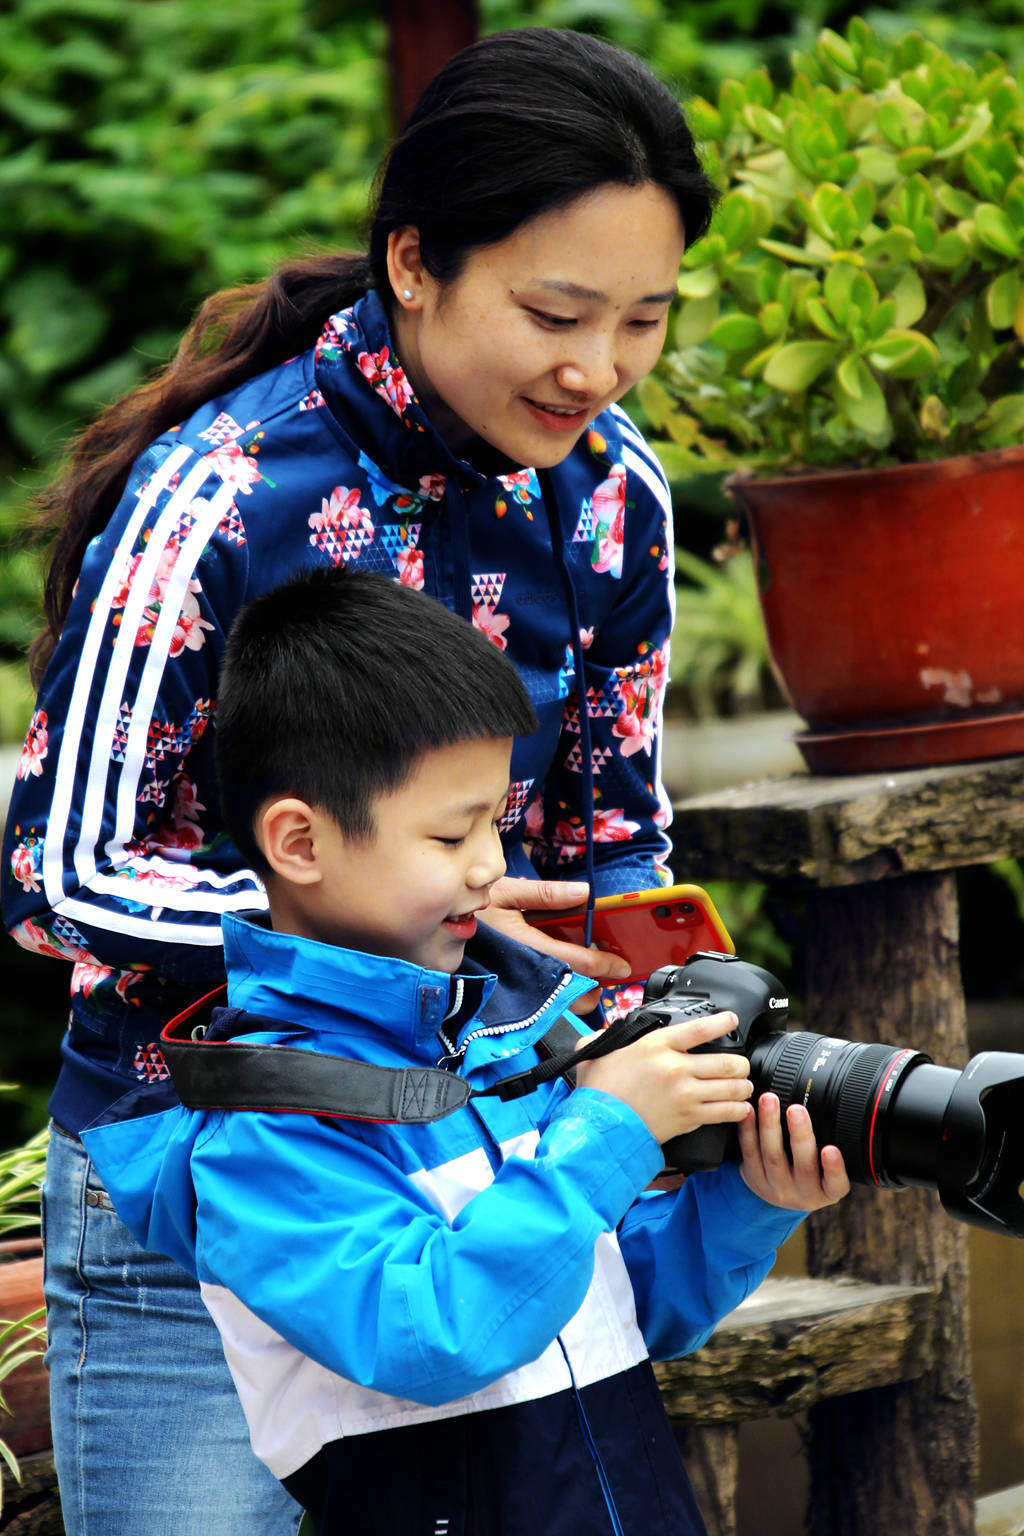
x=896, y=1117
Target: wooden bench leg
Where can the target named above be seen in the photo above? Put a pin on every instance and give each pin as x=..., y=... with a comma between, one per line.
x=711, y=1456
x=882, y=964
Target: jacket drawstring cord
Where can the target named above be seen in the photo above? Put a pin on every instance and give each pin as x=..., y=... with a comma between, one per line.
x=550, y=497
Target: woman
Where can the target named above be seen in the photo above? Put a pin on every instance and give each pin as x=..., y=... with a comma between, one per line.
x=442, y=409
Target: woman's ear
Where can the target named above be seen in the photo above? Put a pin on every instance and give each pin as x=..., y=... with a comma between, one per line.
x=286, y=833
x=405, y=266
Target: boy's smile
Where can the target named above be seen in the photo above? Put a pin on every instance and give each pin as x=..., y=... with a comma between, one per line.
x=461, y=928
x=413, y=890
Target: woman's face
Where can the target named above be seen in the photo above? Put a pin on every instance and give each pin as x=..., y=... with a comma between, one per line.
x=543, y=330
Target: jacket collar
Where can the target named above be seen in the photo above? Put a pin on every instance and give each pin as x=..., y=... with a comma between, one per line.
x=325, y=988
x=365, y=387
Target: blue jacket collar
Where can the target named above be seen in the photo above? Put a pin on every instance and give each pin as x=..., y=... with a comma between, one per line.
x=362, y=380
x=312, y=985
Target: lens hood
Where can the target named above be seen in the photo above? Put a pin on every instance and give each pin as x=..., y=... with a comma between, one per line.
x=980, y=1163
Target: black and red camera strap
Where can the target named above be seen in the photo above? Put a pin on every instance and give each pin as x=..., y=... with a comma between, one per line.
x=226, y=1073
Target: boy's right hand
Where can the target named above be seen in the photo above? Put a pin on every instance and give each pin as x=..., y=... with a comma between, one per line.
x=672, y=1089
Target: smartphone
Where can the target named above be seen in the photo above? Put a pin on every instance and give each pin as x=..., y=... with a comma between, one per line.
x=648, y=928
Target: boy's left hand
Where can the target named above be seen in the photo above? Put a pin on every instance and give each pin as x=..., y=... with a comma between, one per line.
x=802, y=1181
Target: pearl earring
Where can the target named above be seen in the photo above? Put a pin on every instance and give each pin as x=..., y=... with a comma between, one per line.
x=407, y=295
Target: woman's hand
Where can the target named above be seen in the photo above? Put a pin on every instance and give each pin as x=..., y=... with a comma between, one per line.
x=511, y=897
x=801, y=1181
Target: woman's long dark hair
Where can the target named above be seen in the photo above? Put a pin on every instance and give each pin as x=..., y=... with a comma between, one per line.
x=515, y=125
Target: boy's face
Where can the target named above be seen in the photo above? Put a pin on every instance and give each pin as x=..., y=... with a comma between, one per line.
x=413, y=890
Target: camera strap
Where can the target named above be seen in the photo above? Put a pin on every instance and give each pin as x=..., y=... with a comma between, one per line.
x=226, y=1073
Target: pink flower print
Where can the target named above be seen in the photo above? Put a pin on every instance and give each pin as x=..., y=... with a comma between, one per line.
x=491, y=624
x=342, y=527
x=153, y=881
x=387, y=378
x=189, y=627
x=533, y=821
x=432, y=487
x=188, y=631
x=410, y=567
x=641, y=690
x=587, y=637
x=184, y=832
x=571, y=833
x=608, y=505
x=658, y=663
x=234, y=467
x=121, y=596
x=30, y=935
x=330, y=342
x=635, y=726
x=522, y=485
x=619, y=1001
x=612, y=827
x=30, y=763
x=26, y=861
x=518, y=484
x=88, y=974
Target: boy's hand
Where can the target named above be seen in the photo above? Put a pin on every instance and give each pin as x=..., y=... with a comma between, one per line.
x=672, y=1090
x=804, y=1184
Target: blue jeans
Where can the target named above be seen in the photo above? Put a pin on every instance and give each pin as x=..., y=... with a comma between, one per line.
x=148, y=1434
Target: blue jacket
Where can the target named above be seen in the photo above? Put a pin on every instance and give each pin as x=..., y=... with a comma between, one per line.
x=115, y=856
x=370, y=1278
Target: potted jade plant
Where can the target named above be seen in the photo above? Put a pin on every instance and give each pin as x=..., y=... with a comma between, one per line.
x=848, y=344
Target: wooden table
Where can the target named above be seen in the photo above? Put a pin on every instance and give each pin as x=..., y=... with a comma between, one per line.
x=873, y=855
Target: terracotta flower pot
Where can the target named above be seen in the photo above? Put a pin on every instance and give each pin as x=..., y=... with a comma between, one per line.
x=892, y=603
x=27, y=1389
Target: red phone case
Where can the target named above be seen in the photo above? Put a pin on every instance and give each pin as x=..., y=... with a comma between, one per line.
x=648, y=928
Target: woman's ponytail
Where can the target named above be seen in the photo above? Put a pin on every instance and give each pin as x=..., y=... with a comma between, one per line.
x=236, y=334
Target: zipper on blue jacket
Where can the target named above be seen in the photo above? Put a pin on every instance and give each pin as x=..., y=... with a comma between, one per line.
x=454, y=1052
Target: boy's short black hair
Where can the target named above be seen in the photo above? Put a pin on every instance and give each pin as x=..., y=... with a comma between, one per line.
x=335, y=683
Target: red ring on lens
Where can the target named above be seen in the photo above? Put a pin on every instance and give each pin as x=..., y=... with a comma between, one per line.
x=894, y=1070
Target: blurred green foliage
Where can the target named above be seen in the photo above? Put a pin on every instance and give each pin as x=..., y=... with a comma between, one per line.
x=150, y=154
x=719, y=661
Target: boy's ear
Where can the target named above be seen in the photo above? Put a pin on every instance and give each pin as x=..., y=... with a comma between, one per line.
x=286, y=833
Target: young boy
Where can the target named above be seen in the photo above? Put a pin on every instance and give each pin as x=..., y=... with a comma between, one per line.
x=439, y=1327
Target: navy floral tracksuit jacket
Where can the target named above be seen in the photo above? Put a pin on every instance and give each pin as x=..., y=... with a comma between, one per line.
x=114, y=853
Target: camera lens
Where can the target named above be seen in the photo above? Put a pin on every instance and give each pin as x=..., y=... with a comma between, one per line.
x=883, y=1106
x=897, y=1118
